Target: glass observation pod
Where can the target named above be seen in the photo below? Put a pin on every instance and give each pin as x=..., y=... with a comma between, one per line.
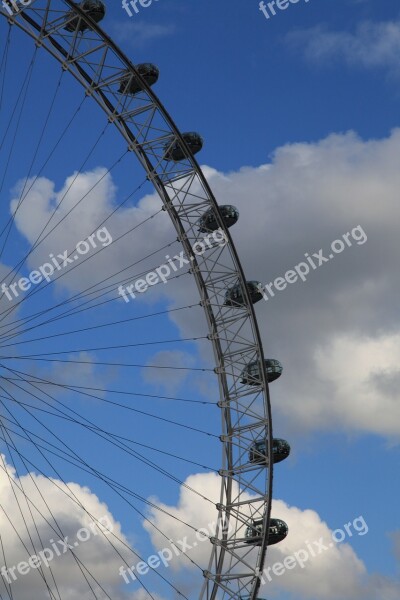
x=278, y=530
x=129, y=84
x=251, y=373
x=258, y=451
x=175, y=151
x=96, y=9
x=208, y=221
x=234, y=295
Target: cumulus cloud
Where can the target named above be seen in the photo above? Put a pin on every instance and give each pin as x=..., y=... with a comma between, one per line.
x=9, y=309
x=369, y=379
x=336, y=333
x=317, y=575
x=313, y=576
x=192, y=510
x=54, y=512
x=84, y=205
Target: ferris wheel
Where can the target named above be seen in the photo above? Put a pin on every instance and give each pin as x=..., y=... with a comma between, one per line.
x=86, y=321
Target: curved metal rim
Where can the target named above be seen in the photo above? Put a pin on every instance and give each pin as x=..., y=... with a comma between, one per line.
x=226, y=483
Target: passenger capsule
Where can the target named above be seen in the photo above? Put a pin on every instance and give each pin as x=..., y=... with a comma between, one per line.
x=258, y=451
x=234, y=295
x=278, y=530
x=251, y=373
x=176, y=152
x=130, y=84
x=208, y=221
x=96, y=9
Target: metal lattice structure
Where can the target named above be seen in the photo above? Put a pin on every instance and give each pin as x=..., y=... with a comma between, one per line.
x=95, y=61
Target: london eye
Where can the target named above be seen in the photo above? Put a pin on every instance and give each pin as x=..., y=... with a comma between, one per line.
x=84, y=345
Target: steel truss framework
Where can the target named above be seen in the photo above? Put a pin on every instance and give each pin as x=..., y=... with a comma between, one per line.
x=234, y=569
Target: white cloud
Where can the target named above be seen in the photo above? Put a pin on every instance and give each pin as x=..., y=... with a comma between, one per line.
x=61, y=503
x=84, y=202
x=307, y=196
x=317, y=578
x=344, y=316
x=317, y=575
x=372, y=45
x=191, y=509
x=369, y=380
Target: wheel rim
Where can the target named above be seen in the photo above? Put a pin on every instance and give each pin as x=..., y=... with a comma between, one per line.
x=233, y=331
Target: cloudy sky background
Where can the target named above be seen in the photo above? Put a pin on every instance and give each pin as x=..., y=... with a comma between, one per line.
x=300, y=118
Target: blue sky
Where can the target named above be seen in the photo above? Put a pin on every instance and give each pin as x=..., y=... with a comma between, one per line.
x=299, y=114
x=255, y=89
